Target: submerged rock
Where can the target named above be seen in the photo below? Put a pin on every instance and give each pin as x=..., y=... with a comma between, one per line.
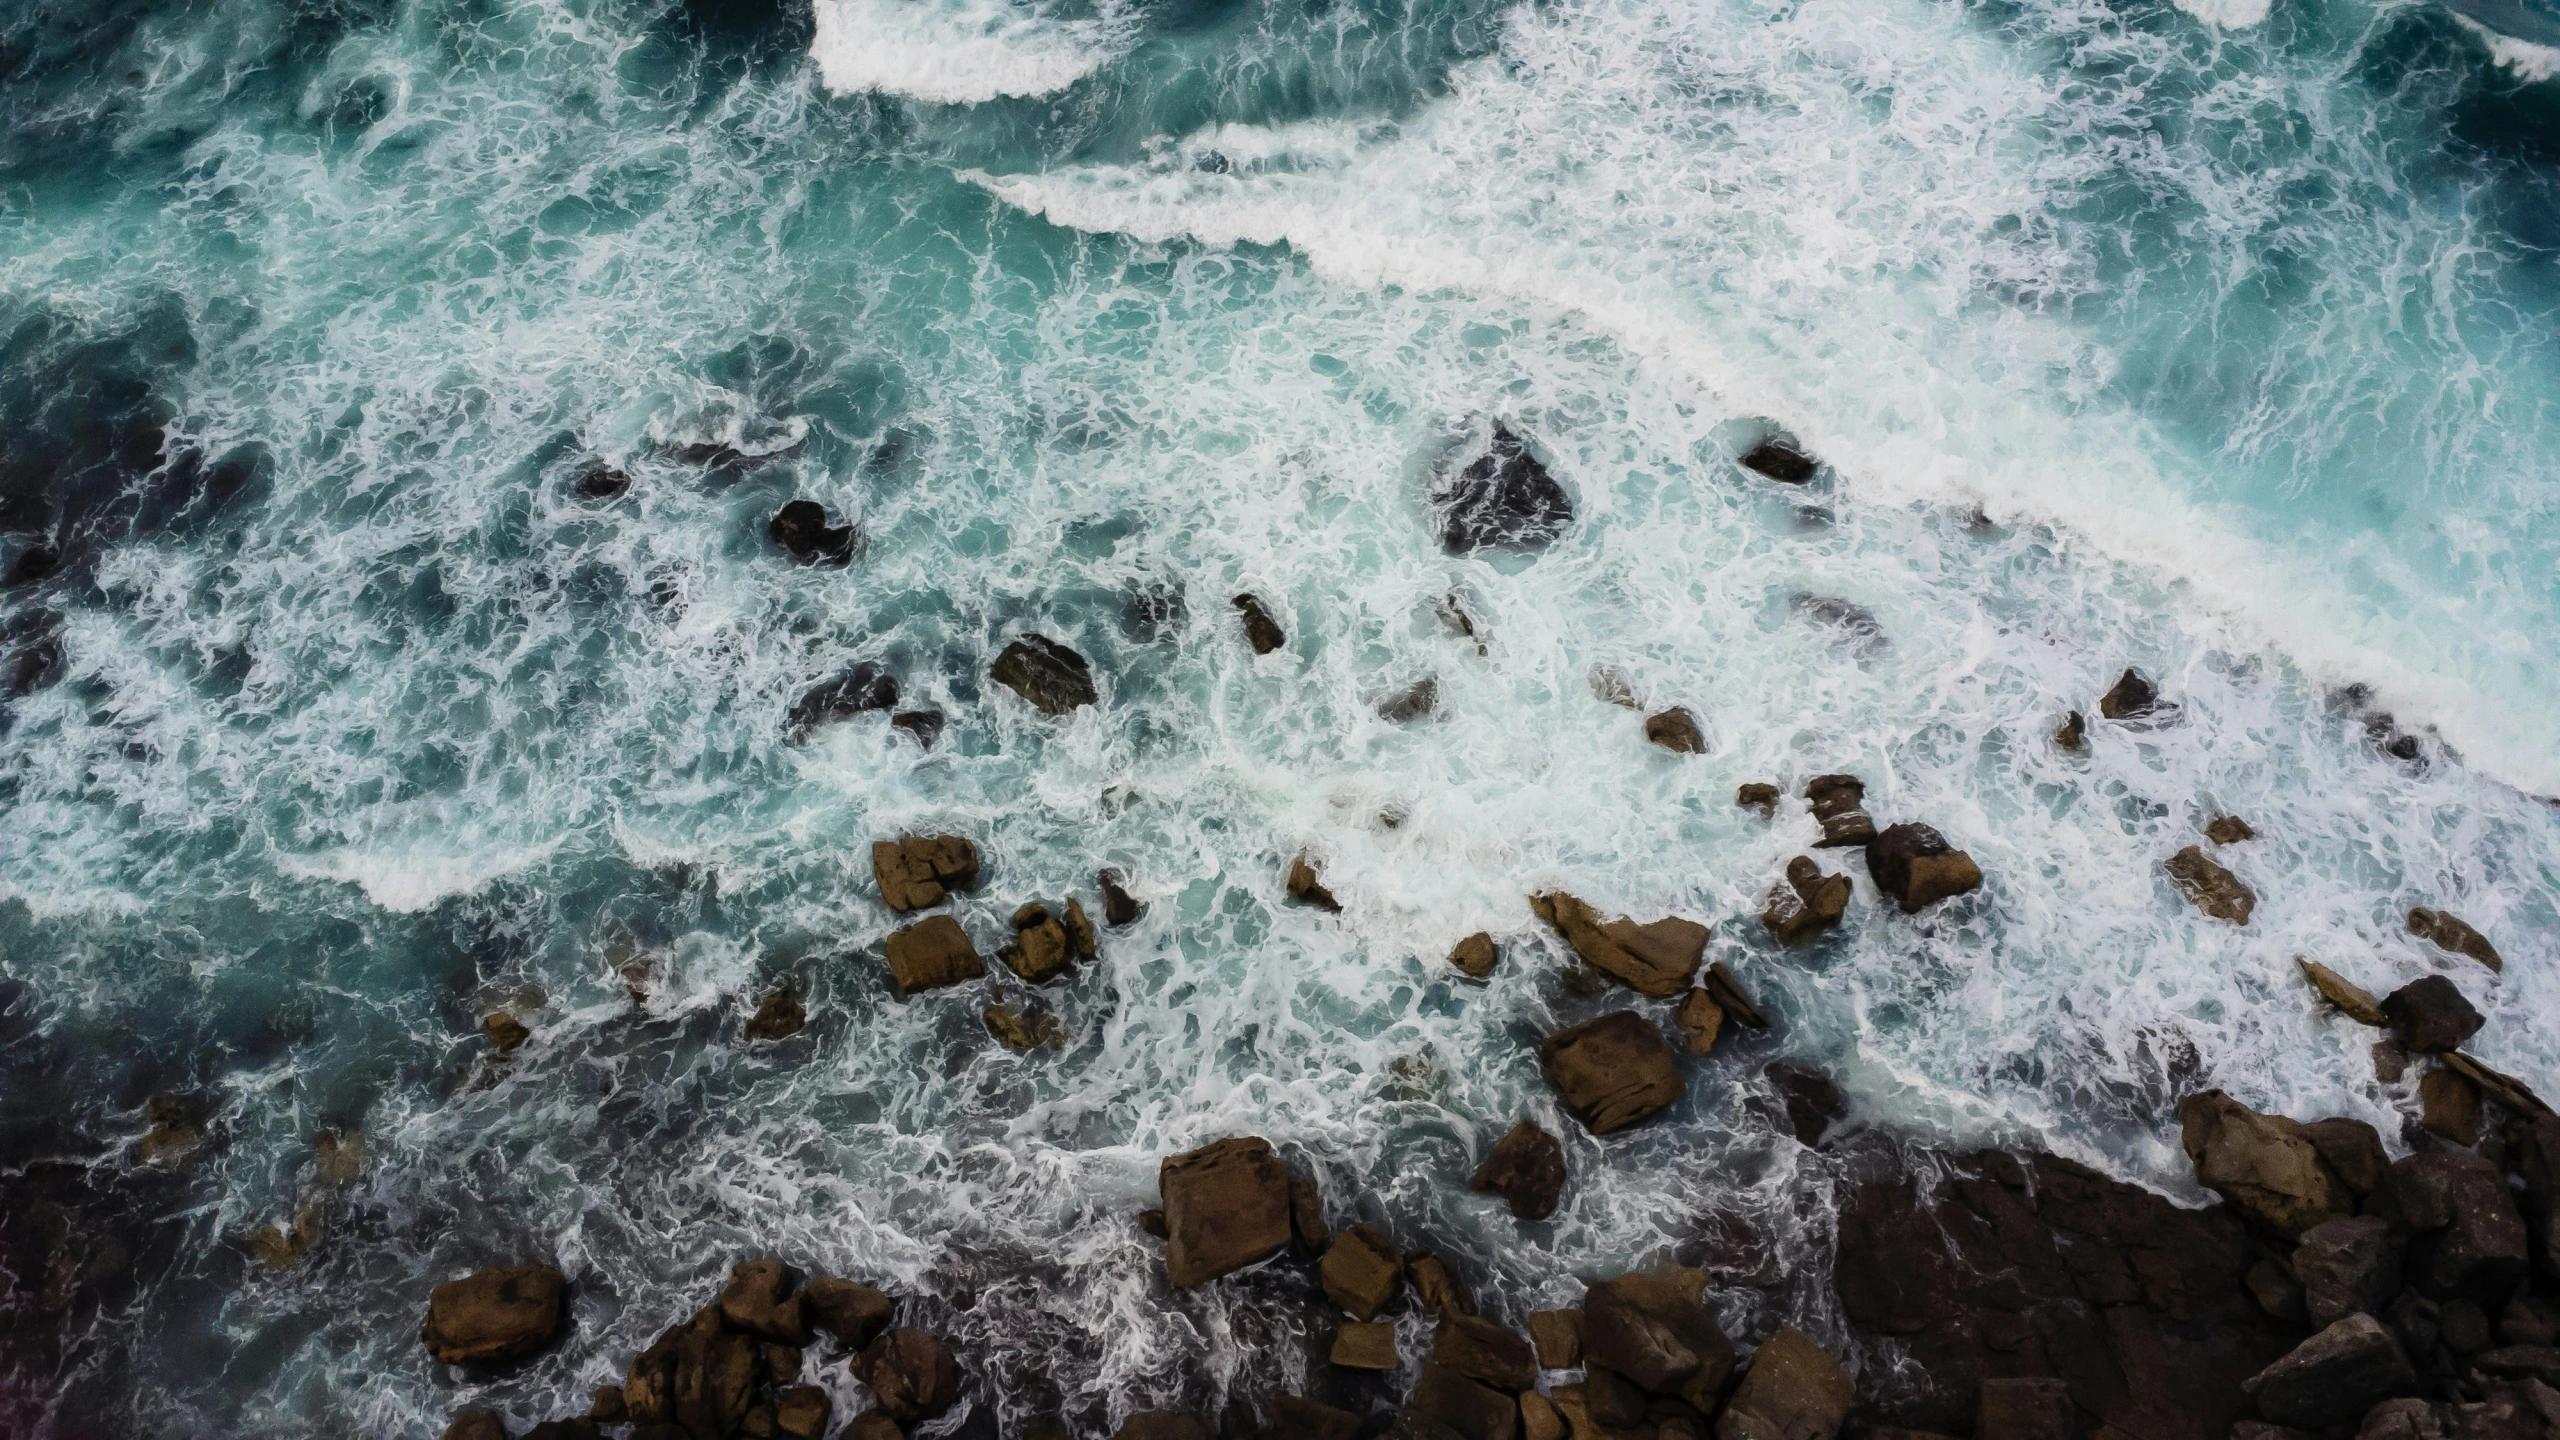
x=925, y=725
x=1526, y=1169
x=931, y=955
x=505, y=1312
x=1305, y=888
x=800, y=530
x=1504, y=498
x=1435, y=1285
x=476, y=1425
x=1475, y=956
x=918, y=872
x=1807, y=903
x=175, y=1138
x=1260, y=630
x=599, y=480
x=2133, y=696
x=1916, y=866
x=2210, y=888
x=1656, y=959
x=1417, y=701
x=857, y=691
x=2447, y=933
x=1610, y=686
x=778, y=1016
x=1051, y=677
x=1836, y=800
x=1226, y=1206
x=1676, y=730
x=1812, y=1102
x=1612, y=1072
x=2430, y=1015
x=2073, y=733
x=911, y=1374
x=1779, y=461
x=1023, y=1029
x=2228, y=830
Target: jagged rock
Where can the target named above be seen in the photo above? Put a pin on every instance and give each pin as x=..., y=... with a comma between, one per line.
x=1557, y=1337
x=1526, y=1169
x=1612, y=1072
x=854, y=1313
x=2448, y=933
x=1676, y=730
x=1808, y=903
x=763, y=1299
x=2132, y=696
x=1727, y=993
x=801, y=1411
x=1812, y=1102
x=911, y=1374
x=2430, y=1015
x=2347, y=1266
x=1361, y=1272
x=1656, y=959
x=1646, y=1332
x=1164, y=1425
x=1226, y=1206
x=1260, y=630
x=800, y=530
x=1023, y=1028
x=699, y=1375
x=2356, y=1002
x=1758, y=795
x=1503, y=498
x=2449, y=1106
x=1307, y=889
x=504, y=1312
x=2353, y=1151
x=925, y=725
x=1917, y=867
x=2263, y=1164
x=1041, y=950
x=1364, y=1346
x=778, y=1016
x=1308, y=1233
x=476, y=1425
x=1435, y=1285
x=2276, y=1291
x=1053, y=678
x=1698, y=1019
x=2210, y=888
x=2470, y=1240
x=1119, y=907
x=1794, y=1390
x=917, y=872
x=2073, y=733
x=931, y=954
x=857, y=691
x=505, y=1033
x=2228, y=830
x=2497, y=1085
x=1445, y=1402
x=1779, y=461
x=2021, y=1408
x=1610, y=686
x=1485, y=1352
x=1836, y=801
x=1475, y=955
x=2333, y=1377
x=1417, y=701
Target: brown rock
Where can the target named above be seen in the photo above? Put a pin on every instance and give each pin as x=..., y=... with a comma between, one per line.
x=2264, y=1164
x=1023, y=1029
x=2390, y=1061
x=605, y=1405
x=1417, y=701
x=1676, y=730
x=476, y=1425
x=700, y=1375
x=506, y=1033
x=1260, y=630
x=2347, y=1265
x=1557, y=1335
x=1361, y=1272
x=1164, y=1425
x=1526, y=1169
x=911, y=1374
x=872, y=1424
x=1539, y=1418
x=1726, y=991
x=1119, y=908
x=2471, y=1239
x=1915, y=865
x=919, y=872
x=763, y=1299
x=2498, y=1085
x=2228, y=830
x=1081, y=941
x=782, y=1363
x=2430, y=1015
x=2358, y=1003
x=1054, y=679
x=925, y=725
x=855, y=1314
x=1656, y=959
x=1041, y=951
x=1836, y=801
x=778, y=1016
x=1806, y=904
x=1435, y=1285
x=2025, y=1409
x=930, y=955
x=1226, y=1206
x=1365, y=1346
x=1699, y=1019
x=1295, y=1417
x=1152, y=1222
x=2334, y=1377
x=1307, y=1230
x=1475, y=955
x=1812, y=1102
x=1306, y=889
x=1793, y=1391
x=2210, y=888
x=1648, y=1333
x=2353, y=1151
x=1758, y=795
x=2072, y=734
x=1446, y=1402
x=1573, y=1402
x=1611, y=1072
x=2449, y=1106
x=1484, y=1352
x=2447, y=933
x=2132, y=696
x=800, y=1411
x=504, y=1312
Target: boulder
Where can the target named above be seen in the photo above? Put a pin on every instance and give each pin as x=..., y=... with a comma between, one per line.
x=1806, y=904
x=2333, y=1377
x=930, y=955
x=1361, y=1272
x=1812, y=1102
x=1917, y=867
x=2448, y=933
x=476, y=1425
x=2073, y=733
x=2537, y=1154
x=2263, y=1164
x=2353, y=1150
x=1152, y=1222
x=854, y=1313
x=1052, y=678
x=1504, y=498
x=2497, y=1085
x=1540, y=1420
x=1557, y=1337
x=1526, y=1169
x=505, y=1033
x=1363, y=1345
x=605, y=1405
x=782, y=1363
x=1656, y=959
x=925, y=725
x=801, y=1411
x=1119, y=907
x=1794, y=1390
x=1307, y=1230
x=1041, y=950
x=1758, y=795
x=2353, y=1000
x=763, y=1299
x=1260, y=630
x=1726, y=991
x=1698, y=1019
x=872, y=1424
x=2449, y=1106
x=1417, y=701
x=1676, y=730
x=2430, y=1015
x=1485, y=1352
x=1611, y=1072
x=2470, y=1239
x=1447, y=1401
x=911, y=1374
x=778, y=1016
x=1226, y=1206
x=1307, y=888
x=2210, y=888
x=1295, y=1417
x=2228, y=830
x=1779, y=461
x=1836, y=801
x=1081, y=940
x=857, y=691
x=1656, y=1338
x=2022, y=1408
x=699, y=1375
x=800, y=530
x=2347, y=1266
x=2539, y=1363
x=1435, y=1285
x=1475, y=956
x=2132, y=696
x=504, y=1312
x=2528, y=1319
x=917, y=872
x=1164, y=1425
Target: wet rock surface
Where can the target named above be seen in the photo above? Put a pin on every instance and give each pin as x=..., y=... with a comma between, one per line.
x=2448, y=933
x=505, y=1312
x=800, y=530
x=919, y=872
x=1657, y=959
x=2211, y=888
x=1051, y=678
x=1837, y=802
x=1502, y=499
x=1526, y=1168
x=1917, y=867
x=856, y=691
x=1805, y=904
x=1226, y=1206
x=1612, y=1072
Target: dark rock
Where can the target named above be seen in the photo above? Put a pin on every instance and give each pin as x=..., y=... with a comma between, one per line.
x=800, y=530
x=2430, y=1015
x=1656, y=959
x=1023, y=1028
x=1557, y=1337
x=2353, y=1151
x=2528, y=1319
x=2347, y=1266
x=1361, y=1272
x=1307, y=888
x=1812, y=1101
x=1539, y=1419
x=930, y=955
x=577, y=1428
x=1612, y=1072
x=1915, y=865
x=2132, y=696
x=2412, y=1317
x=1489, y=1354
x=1794, y=1390
x=1119, y=908
x=2448, y=933
x=2210, y=888
x=1727, y=993
x=2228, y=830
x=2263, y=1164
x=1676, y=730
x=700, y=1375
x=854, y=1313
x=2521, y=1362
x=1836, y=801
x=1853, y=623
x=1307, y=1230
x=2538, y=1161
x=2276, y=1291
x=1758, y=795
x=1435, y=1286
x=1041, y=950
x=476, y=1425
x=606, y=1405
x=1656, y=1338
x=1779, y=461
x=1260, y=630
x=1808, y=903
x=1364, y=1346
x=778, y=1016
x=2356, y=1002
x=857, y=691
x=1417, y=701
x=782, y=1362
x=2471, y=1240
x=599, y=480
x=504, y=1312
x=1081, y=940
x=911, y=1374
x=1699, y=1019
x=1297, y=1418
x=1053, y=678
x=2333, y=1377
x=1526, y=1169
x=1152, y=1222
x=801, y=1411
x=926, y=725
x=2390, y=1061
x=1456, y=1406
x=1504, y=498
x=2449, y=1106
x=2462, y=1327
x=505, y=1033
x=2073, y=733
x=1226, y=1206
x=1475, y=955
x=763, y=1299
x=918, y=872
x=1164, y=1425
x=872, y=1424
x=2497, y=1085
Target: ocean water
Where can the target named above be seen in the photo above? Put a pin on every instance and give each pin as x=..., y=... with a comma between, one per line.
x=2222, y=341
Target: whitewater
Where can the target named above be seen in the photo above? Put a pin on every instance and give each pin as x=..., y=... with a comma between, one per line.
x=339, y=709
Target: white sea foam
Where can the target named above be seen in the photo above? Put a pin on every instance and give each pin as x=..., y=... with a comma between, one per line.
x=2228, y=14
x=958, y=52
x=2529, y=61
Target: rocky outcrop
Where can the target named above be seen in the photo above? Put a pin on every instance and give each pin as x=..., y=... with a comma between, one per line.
x=763, y=1298
x=2467, y=1237
x=2347, y=1266
x=1794, y=1390
x=1526, y=1169
x=504, y=1312
x=2132, y=696
x=800, y=530
x=1119, y=907
x=1417, y=701
x=925, y=725
x=2263, y=1164
x=1612, y=1072
x=1361, y=1272
x=1260, y=631
x=1557, y=1337
x=2430, y=1015
x=779, y=1015
x=1503, y=499
x=176, y=1136
x=2449, y=934
x=1053, y=679
x=856, y=691
x=1676, y=730
x=1226, y=1206
x=1045, y=946
x=1641, y=1338
x=1810, y=1100
x=1475, y=956
x=853, y=1313
x=700, y=1376
x=912, y=1375
x=1917, y=867
x=918, y=872
x=1807, y=903
x=2025, y=1408
x=1726, y=991
x=1779, y=461
x=1023, y=1028
x=2210, y=888
x=1656, y=959
x=2354, y=1000
x=930, y=955
x=1306, y=887
x=2334, y=1377
x=1837, y=802
x=1446, y=1403
x=2449, y=1106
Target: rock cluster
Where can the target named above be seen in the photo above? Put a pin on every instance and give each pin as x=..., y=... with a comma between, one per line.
x=1808, y=903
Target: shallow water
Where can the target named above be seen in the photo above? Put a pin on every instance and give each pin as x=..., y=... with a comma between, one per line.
x=2130, y=340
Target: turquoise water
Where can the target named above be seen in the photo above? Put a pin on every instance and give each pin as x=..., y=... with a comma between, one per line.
x=2215, y=345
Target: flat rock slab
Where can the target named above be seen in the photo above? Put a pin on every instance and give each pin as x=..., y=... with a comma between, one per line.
x=918, y=872
x=1226, y=1206
x=930, y=955
x=504, y=1312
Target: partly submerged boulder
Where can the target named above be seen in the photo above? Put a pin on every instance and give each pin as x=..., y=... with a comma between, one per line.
x=2263, y=1164
x=2132, y=696
x=1780, y=461
x=1361, y=1272
x=1119, y=907
x=1656, y=959
x=1504, y=498
x=1475, y=956
x=854, y=1313
x=1044, y=946
x=1260, y=630
x=1306, y=887
x=1807, y=903
x=1226, y=1206
x=1676, y=730
x=2353, y=999
x=1794, y=1390
x=2430, y=1015
x=911, y=1374
x=2446, y=932
x=1526, y=1169
x=863, y=688
x=763, y=1298
x=800, y=530
x=1652, y=1335
x=917, y=872
x=1699, y=1020
x=2210, y=888
x=1051, y=677
x=1837, y=802
x=778, y=1016
x=504, y=1312
x=1612, y=1072
x=1916, y=866
x=930, y=955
